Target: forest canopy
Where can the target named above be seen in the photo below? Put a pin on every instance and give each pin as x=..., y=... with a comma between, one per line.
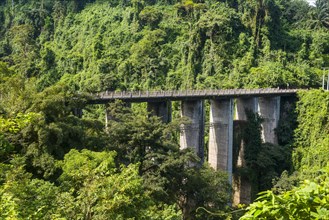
x=138, y=45
x=57, y=165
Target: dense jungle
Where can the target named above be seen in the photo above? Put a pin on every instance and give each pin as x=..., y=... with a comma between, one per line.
x=55, y=53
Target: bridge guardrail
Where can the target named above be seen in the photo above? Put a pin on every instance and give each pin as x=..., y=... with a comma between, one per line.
x=177, y=94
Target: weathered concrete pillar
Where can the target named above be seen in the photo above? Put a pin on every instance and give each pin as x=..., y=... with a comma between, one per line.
x=192, y=134
x=107, y=116
x=160, y=109
x=243, y=104
x=269, y=110
x=221, y=135
x=241, y=182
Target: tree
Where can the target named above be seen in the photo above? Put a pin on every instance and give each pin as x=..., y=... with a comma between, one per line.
x=320, y=15
x=91, y=187
x=294, y=13
x=167, y=171
x=312, y=133
x=100, y=189
x=307, y=201
x=22, y=197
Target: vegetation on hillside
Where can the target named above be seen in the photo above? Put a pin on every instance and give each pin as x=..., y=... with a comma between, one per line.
x=55, y=165
x=305, y=193
x=132, y=45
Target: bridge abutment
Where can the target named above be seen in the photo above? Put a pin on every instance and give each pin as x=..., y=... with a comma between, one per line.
x=269, y=110
x=192, y=133
x=220, y=151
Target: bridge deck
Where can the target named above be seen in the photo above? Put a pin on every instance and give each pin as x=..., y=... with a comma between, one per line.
x=154, y=96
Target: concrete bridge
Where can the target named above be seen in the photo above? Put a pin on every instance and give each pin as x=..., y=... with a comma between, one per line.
x=151, y=96
x=225, y=106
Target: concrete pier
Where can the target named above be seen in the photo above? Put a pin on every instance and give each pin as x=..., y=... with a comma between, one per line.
x=269, y=110
x=107, y=116
x=192, y=133
x=241, y=183
x=160, y=109
x=243, y=104
x=221, y=135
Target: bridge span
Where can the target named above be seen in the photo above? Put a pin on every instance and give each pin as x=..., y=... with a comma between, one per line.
x=226, y=107
x=176, y=95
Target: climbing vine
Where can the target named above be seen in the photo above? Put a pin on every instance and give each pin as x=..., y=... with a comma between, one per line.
x=263, y=161
x=312, y=136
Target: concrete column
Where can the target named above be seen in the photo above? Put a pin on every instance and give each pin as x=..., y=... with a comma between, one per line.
x=241, y=183
x=107, y=116
x=269, y=110
x=221, y=135
x=243, y=104
x=160, y=109
x=192, y=133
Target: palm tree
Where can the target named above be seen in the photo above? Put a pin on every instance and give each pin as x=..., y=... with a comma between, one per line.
x=320, y=15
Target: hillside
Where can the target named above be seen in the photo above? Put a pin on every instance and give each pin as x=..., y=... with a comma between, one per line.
x=139, y=45
x=57, y=165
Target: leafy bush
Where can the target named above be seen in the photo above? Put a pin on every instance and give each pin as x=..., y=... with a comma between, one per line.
x=310, y=200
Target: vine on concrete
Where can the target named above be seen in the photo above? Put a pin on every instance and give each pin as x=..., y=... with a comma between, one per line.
x=264, y=162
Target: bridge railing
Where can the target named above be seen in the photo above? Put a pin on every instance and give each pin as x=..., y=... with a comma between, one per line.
x=188, y=93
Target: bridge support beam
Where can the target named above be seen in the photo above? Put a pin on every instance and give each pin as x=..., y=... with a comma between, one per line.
x=241, y=184
x=220, y=152
x=269, y=110
x=160, y=109
x=192, y=134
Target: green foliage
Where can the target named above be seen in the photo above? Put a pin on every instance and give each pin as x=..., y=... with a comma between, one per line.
x=287, y=122
x=49, y=50
x=50, y=130
x=320, y=15
x=5, y=72
x=22, y=197
x=263, y=161
x=157, y=180
x=312, y=132
x=308, y=201
x=167, y=172
x=165, y=44
x=10, y=127
x=277, y=74
x=91, y=187
x=99, y=191
x=150, y=16
x=14, y=125
x=78, y=166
